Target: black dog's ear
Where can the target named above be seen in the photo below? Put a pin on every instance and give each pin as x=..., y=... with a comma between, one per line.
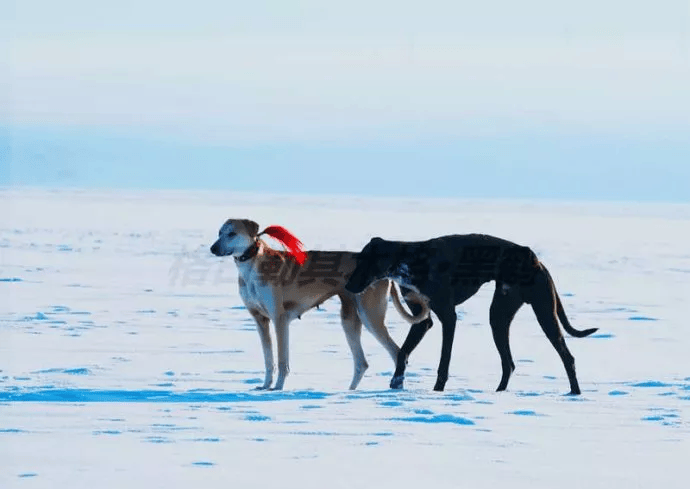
x=251, y=226
x=377, y=243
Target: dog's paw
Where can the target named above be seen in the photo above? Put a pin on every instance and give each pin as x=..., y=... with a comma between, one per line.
x=439, y=386
x=262, y=387
x=397, y=382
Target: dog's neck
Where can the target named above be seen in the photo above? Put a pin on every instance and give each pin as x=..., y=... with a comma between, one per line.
x=249, y=253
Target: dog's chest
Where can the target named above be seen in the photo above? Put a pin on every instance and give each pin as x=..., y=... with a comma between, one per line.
x=256, y=296
x=401, y=274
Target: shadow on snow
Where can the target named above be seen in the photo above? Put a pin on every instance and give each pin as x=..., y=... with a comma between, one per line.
x=162, y=396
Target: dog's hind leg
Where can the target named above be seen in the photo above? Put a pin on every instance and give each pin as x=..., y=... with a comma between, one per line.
x=371, y=306
x=262, y=327
x=544, y=306
x=504, y=306
x=352, y=326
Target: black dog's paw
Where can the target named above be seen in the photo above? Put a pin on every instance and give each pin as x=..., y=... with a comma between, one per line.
x=397, y=382
x=439, y=386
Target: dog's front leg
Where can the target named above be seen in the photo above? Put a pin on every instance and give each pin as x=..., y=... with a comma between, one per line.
x=417, y=332
x=448, y=319
x=283, y=336
x=265, y=336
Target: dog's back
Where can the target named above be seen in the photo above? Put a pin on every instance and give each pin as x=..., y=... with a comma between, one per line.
x=327, y=268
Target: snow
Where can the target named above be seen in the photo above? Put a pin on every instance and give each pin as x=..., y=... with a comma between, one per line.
x=127, y=359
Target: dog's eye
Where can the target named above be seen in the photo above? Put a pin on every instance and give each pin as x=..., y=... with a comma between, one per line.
x=231, y=234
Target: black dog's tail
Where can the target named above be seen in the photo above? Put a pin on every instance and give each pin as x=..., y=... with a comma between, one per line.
x=561, y=313
x=566, y=324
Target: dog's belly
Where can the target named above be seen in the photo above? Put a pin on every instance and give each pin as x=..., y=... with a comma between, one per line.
x=291, y=302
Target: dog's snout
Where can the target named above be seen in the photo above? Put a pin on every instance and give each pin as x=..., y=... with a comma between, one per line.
x=214, y=248
x=355, y=284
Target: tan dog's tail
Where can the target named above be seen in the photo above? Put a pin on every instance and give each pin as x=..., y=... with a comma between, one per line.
x=401, y=310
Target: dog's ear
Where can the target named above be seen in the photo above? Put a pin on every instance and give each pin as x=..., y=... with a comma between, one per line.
x=251, y=227
x=376, y=242
x=371, y=248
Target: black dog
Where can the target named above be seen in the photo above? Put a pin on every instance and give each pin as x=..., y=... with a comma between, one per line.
x=451, y=269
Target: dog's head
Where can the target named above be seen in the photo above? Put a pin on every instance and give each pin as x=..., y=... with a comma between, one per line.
x=234, y=237
x=377, y=260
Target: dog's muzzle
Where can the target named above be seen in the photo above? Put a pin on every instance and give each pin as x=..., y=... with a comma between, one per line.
x=215, y=249
x=355, y=286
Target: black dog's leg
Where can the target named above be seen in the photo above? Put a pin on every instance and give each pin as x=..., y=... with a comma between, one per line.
x=417, y=332
x=448, y=319
x=503, y=308
x=544, y=307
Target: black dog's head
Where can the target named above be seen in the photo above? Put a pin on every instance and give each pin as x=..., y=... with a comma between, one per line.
x=377, y=260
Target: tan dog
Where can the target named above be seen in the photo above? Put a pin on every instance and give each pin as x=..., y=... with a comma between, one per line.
x=274, y=287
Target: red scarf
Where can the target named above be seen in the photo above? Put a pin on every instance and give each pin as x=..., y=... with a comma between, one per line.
x=294, y=246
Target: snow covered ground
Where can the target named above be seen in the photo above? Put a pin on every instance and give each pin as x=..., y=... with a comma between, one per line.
x=127, y=359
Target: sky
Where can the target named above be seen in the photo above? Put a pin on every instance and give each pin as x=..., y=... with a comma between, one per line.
x=532, y=99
